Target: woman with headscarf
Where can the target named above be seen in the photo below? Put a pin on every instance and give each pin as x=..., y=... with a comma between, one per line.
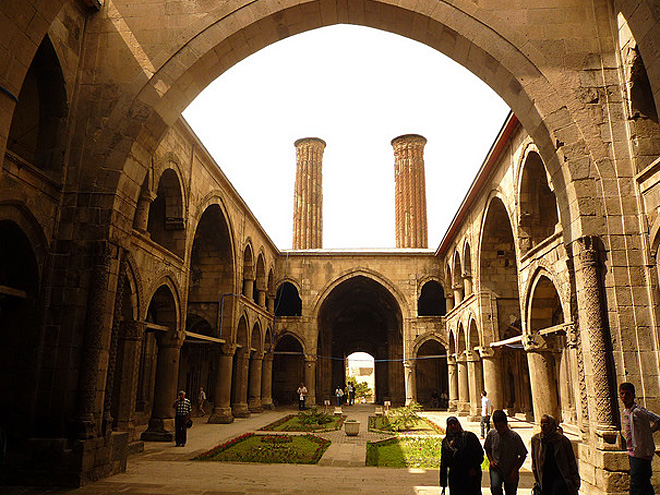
x=460, y=462
x=553, y=461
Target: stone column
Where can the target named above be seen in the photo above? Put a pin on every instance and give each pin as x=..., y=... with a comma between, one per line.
x=410, y=191
x=132, y=335
x=96, y=343
x=222, y=408
x=248, y=287
x=492, y=371
x=594, y=335
x=542, y=378
x=310, y=381
x=267, y=382
x=308, y=194
x=239, y=404
x=467, y=284
x=261, y=297
x=161, y=423
x=458, y=295
x=449, y=301
x=463, y=385
x=270, y=302
x=475, y=384
x=141, y=218
x=452, y=372
x=411, y=382
x=254, y=395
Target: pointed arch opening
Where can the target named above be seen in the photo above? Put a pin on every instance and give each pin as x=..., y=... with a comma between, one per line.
x=432, y=300
x=431, y=374
x=288, y=370
x=165, y=223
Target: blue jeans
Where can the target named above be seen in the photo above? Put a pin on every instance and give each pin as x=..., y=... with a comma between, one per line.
x=640, y=476
x=496, y=482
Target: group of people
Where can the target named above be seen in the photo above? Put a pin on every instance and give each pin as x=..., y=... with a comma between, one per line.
x=554, y=465
x=347, y=397
x=439, y=401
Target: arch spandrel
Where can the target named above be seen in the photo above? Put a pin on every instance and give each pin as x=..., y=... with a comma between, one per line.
x=325, y=292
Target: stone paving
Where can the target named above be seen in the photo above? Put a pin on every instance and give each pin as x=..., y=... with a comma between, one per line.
x=166, y=469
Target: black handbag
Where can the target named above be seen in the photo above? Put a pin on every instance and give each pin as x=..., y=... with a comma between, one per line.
x=189, y=425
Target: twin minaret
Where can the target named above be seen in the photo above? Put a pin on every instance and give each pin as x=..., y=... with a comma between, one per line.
x=410, y=193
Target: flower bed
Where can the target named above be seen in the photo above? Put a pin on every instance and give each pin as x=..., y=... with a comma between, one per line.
x=287, y=449
x=292, y=422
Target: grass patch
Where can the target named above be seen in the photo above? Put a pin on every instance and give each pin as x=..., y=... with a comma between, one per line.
x=302, y=422
x=382, y=424
x=270, y=449
x=408, y=452
x=401, y=452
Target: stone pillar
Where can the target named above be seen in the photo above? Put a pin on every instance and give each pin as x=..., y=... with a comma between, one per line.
x=222, y=408
x=165, y=393
x=308, y=194
x=492, y=370
x=542, y=379
x=463, y=405
x=410, y=191
x=239, y=404
x=458, y=294
x=475, y=383
x=248, y=287
x=141, y=218
x=594, y=335
x=467, y=284
x=96, y=343
x=261, y=298
x=267, y=382
x=411, y=382
x=310, y=381
x=254, y=394
x=449, y=301
x=132, y=335
x=270, y=302
x=452, y=372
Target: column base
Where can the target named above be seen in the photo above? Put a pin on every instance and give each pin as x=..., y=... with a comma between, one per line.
x=474, y=418
x=255, y=405
x=221, y=415
x=158, y=431
x=240, y=410
x=604, y=471
x=267, y=404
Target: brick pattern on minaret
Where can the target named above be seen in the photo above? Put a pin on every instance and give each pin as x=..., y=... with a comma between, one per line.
x=308, y=194
x=410, y=191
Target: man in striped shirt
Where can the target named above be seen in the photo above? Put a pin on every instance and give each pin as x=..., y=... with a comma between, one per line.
x=182, y=408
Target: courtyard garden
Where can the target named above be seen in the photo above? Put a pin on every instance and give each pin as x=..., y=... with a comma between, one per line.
x=284, y=449
x=312, y=420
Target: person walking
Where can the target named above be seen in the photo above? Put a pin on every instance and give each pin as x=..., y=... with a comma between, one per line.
x=639, y=424
x=339, y=393
x=302, y=395
x=486, y=411
x=460, y=460
x=182, y=409
x=553, y=460
x=201, y=398
x=351, y=393
x=506, y=452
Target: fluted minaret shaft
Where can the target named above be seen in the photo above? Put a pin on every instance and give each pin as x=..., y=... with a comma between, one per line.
x=410, y=191
x=308, y=194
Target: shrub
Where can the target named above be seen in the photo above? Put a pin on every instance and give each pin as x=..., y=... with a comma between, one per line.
x=314, y=417
x=404, y=418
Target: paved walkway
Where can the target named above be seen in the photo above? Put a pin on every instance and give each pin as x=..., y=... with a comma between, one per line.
x=167, y=470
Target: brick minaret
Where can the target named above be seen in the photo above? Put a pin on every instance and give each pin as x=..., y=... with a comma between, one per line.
x=410, y=191
x=308, y=194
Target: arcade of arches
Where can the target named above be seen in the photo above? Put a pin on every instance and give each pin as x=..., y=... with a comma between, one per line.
x=130, y=267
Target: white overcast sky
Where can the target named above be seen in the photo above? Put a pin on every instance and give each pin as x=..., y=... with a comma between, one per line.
x=356, y=88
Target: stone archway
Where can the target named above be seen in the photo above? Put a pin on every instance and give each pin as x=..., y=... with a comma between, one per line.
x=431, y=372
x=288, y=370
x=360, y=314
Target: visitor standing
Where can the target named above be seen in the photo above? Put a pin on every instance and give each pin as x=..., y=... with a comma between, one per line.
x=182, y=409
x=506, y=452
x=351, y=393
x=444, y=398
x=639, y=424
x=486, y=411
x=339, y=393
x=460, y=460
x=302, y=395
x=201, y=398
x=435, y=400
x=553, y=460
